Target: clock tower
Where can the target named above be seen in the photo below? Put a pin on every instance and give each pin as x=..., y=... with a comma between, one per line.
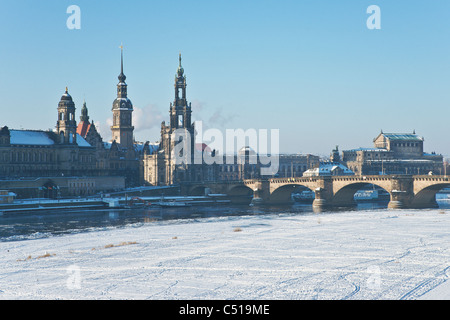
x=122, y=128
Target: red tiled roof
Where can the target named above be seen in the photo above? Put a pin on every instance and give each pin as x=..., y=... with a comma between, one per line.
x=83, y=128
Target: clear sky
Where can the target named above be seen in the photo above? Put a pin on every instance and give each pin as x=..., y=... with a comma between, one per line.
x=310, y=68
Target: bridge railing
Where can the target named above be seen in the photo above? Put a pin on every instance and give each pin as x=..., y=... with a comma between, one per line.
x=431, y=178
x=362, y=178
x=294, y=180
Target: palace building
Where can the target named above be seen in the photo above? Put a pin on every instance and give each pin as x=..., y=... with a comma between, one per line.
x=73, y=158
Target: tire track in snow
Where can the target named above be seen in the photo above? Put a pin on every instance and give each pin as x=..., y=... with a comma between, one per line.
x=427, y=285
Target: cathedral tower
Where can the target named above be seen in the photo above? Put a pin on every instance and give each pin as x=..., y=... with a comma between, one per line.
x=122, y=129
x=177, y=138
x=66, y=126
x=180, y=110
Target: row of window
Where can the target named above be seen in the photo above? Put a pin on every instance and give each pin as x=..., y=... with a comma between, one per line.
x=82, y=184
x=27, y=157
x=69, y=116
x=41, y=170
x=375, y=155
x=38, y=157
x=282, y=168
x=22, y=169
x=404, y=144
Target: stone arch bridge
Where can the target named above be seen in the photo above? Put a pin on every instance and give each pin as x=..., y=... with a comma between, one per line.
x=406, y=191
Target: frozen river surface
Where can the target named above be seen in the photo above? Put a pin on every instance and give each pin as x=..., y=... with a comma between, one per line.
x=374, y=254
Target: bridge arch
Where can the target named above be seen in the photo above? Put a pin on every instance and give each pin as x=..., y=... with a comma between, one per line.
x=345, y=195
x=240, y=193
x=426, y=197
x=198, y=190
x=282, y=194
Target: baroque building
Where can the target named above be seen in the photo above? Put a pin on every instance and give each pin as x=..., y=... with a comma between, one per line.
x=394, y=153
x=167, y=164
x=175, y=159
x=178, y=159
x=72, y=159
x=37, y=153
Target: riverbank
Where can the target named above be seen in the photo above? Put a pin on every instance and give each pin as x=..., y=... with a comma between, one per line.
x=401, y=254
x=40, y=205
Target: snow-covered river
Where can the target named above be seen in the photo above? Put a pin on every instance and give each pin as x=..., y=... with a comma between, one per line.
x=227, y=253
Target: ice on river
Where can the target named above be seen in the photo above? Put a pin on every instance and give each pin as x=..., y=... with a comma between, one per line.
x=384, y=254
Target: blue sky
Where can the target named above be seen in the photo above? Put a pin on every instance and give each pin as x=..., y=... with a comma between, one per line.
x=311, y=69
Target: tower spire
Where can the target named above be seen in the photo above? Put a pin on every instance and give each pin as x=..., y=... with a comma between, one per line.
x=122, y=76
x=122, y=128
x=84, y=113
x=121, y=58
x=180, y=70
x=180, y=110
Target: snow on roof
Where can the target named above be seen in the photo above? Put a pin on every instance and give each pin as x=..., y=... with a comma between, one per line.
x=28, y=137
x=153, y=146
x=39, y=138
x=327, y=168
x=81, y=142
x=403, y=136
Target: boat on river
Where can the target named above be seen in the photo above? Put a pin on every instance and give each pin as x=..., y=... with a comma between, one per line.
x=374, y=194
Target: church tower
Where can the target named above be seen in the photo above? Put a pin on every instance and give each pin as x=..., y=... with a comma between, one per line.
x=122, y=129
x=177, y=138
x=176, y=159
x=66, y=126
x=180, y=110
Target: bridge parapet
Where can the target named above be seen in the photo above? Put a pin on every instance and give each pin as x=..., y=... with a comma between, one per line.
x=406, y=191
x=295, y=180
x=432, y=178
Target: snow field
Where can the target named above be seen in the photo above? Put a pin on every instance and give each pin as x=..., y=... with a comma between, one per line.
x=401, y=254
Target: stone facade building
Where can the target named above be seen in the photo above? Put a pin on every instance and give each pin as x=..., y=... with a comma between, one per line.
x=35, y=153
x=72, y=150
x=174, y=160
x=246, y=165
x=394, y=153
x=160, y=165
